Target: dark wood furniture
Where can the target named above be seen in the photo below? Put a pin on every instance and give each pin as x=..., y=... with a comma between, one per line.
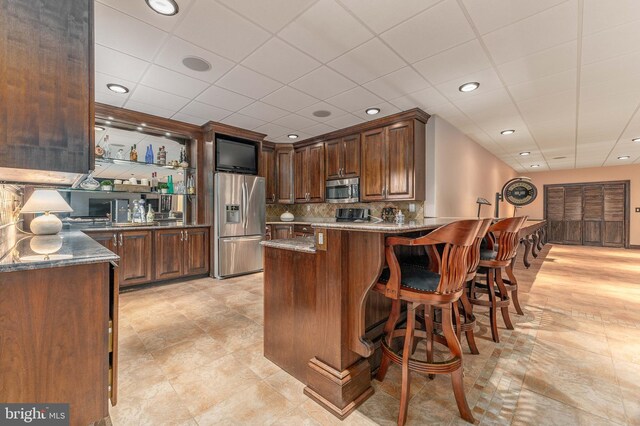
x=46, y=113
x=419, y=287
x=284, y=175
x=58, y=334
x=157, y=255
x=308, y=176
x=342, y=157
x=595, y=213
x=392, y=162
x=533, y=235
x=268, y=171
x=501, y=250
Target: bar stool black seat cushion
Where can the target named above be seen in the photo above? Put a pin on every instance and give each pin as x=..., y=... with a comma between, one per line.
x=486, y=254
x=414, y=277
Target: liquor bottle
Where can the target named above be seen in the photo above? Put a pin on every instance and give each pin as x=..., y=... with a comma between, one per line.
x=133, y=154
x=148, y=156
x=170, y=184
x=154, y=182
x=150, y=214
x=162, y=156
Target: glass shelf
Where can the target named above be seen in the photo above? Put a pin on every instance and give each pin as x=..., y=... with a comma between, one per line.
x=117, y=192
x=105, y=161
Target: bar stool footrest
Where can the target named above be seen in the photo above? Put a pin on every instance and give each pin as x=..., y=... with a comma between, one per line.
x=442, y=367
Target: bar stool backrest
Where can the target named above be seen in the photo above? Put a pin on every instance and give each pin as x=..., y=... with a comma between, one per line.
x=457, y=237
x=474, y=252
x=508, y=236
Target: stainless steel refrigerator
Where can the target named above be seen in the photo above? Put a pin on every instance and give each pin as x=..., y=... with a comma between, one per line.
x=239, y=225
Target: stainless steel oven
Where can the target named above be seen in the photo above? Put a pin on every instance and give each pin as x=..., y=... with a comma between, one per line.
x=343, y=191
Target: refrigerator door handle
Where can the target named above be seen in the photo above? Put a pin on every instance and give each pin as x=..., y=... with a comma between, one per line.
x=245, y=202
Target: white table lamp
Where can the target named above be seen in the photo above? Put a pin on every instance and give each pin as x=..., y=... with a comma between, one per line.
x=46, y=201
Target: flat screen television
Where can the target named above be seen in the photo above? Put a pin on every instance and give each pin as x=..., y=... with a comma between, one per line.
x=236, y=155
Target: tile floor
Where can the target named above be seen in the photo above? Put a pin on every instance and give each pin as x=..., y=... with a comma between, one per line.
x=191, y=354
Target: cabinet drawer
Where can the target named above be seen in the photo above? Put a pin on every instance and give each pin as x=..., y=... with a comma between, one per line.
x=303, y=229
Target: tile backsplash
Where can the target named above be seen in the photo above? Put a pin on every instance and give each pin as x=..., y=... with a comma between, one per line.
x=10, y=202
x=329, y=210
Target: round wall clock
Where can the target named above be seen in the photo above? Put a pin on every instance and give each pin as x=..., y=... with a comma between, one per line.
x=519, y=192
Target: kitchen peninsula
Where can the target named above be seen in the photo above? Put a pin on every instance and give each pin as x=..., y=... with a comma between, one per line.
x=322, y=323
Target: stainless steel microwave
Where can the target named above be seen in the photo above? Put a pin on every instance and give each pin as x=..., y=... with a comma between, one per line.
x=343, y=191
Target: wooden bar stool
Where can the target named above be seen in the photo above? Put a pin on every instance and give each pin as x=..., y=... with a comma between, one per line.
x=492, y=263
x=467, y=321
x=418, y=286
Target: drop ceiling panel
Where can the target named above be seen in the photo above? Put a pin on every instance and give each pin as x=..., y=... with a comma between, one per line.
x=616, y=41
x=318, y=129
x=140, y=10
x=280, y=61
x=489, y=15
x=380, y=15
x=385, y=109
x=215, y=28
x=539, y=32
x=343, y=121
x=155, y=97
x=272, y=14
x=559, y=106
x=121, y=32
x=289, y=99
x=563, y=81
x=176, y=49
x=367, y=62
x=263, y=111
x=186, y=118
x=297, y=122
x=249, y=83
x=397, y=84
x=150, y=109
x=222, y=98
x=321, y=106
x=173, y=82
x=438, y=28
x=541, y=64
x=425, y=99
x=243, y=121
x=273, y=131
x=488, y=79
x=453, y=63
x=355, y=99
x=323, y=83
x=117, y=64
x=600, y=15
x=325, y=31
x=205, y=112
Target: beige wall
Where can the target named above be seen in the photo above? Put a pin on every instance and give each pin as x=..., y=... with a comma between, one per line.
x=459, y=171
x=630, y=172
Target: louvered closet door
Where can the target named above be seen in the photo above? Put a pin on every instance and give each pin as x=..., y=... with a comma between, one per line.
x=592, y=226
x=614, y=215
x=573, y=215
x=555, y=214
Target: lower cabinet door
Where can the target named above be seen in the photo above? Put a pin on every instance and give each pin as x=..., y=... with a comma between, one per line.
x=196, y=251
x=169, y=253
x=135, y=257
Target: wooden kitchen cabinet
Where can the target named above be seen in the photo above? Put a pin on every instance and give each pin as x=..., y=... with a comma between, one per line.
x=342, y=157
x=309, y=175
x=268, y=172
x=284, y=175
x=169, y=253
x=135, y=251
x=46, y=113
x=389, y=169
x=196, y=251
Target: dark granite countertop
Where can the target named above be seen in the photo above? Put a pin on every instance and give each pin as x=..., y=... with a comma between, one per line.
x=391, y=228
x=98, y=227
x=300, y=220
x=48, y=251
x=303, y=244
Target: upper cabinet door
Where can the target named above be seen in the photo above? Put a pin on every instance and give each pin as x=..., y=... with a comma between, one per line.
x=315, y=173
x=334, y=153
x=400, y=161
x=284, y=172
x=300, y=175
x=46, y=112
x=374, y=165
x=268, y=172
x=351, y=156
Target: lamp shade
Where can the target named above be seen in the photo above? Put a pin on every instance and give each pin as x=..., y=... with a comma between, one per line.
x=45, y=200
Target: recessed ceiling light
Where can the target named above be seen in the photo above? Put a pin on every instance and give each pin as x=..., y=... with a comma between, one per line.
x=163, y=7
x=535, y=166
x=321, y=113
x=624, y=157
x=292, y=136
x=118, y=88
x=635, y=140
x=143, y=124
x=195, y=63
x=507, y=132
x=98, y=128
x=469, y=87
x=372, y=111
x=139, y=128
x=167, y=134
x=523, y=153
